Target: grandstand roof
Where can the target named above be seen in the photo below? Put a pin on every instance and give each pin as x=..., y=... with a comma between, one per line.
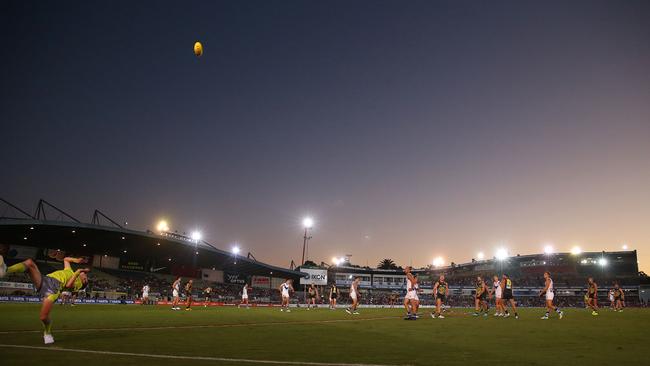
x=92, y=239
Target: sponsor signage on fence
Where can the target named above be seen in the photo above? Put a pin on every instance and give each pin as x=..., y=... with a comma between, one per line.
x=261, y=282
x=313, y=276
x=17, y=285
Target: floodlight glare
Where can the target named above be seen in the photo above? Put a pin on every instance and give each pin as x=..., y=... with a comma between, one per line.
x=308, y=222
x=602, y=262
x=162, y=226
x=235, y=250
x=480, y=255
x=624, y=247
x=196, y=235
x=438, y=261
x=576, y=250
x=501, y=254
x=548, y=249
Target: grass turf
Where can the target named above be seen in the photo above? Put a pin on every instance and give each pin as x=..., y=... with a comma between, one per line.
x=377, y=336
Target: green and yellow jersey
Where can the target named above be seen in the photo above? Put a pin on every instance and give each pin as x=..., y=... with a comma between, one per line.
x=63, y=276
x=442, y=287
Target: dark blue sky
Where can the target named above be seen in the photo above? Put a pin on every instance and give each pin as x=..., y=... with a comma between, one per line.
x=407, y=129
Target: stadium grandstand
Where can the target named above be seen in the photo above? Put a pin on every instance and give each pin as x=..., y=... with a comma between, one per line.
x=124, y=260
x=570, y=273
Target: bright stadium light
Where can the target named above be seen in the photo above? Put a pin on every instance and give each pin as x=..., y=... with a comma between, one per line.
x=480, y=255
x=602, y=262
x=501, y=254
x=576, y=250
x=235, y=250
x=438, y=261
x=548, y=249
x=196, y=235
x=162, y=226
x=336, y=261
x=307, y=222
x=624, y=247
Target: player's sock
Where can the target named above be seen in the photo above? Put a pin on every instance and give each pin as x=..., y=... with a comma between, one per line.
x=557, y=310
x=17, y=268
x=47, y=326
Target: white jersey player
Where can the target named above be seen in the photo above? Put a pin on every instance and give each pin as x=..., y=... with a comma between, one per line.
x=244, y=296
x=176, y=292
x=549, y=293
x=286, y=288
x=145, y=294
x=411, y=299
x=498, y=294
x=354, y=296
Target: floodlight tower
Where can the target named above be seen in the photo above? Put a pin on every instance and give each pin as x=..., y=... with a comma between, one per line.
x=307, y=223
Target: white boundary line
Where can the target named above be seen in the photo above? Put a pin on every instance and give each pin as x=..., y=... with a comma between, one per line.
x=193, y=358
x=238, y=325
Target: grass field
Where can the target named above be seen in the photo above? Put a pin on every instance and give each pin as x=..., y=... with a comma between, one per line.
x=136, y=335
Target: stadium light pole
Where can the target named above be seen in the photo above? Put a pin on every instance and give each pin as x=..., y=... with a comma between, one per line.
x=307, y=223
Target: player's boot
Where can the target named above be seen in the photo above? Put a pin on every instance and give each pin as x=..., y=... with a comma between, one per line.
x=441, y=316
x=594, y=313
x=561, y=313
x=348, y=311
x=3, y=267
x=545, y=317
x=48, y=339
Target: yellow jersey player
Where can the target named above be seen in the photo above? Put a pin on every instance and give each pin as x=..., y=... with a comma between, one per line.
x=508, y=297
x=50, y=286
x=619, y=298
x=592, y=296
x=334, y=294
x=188, y=294
x=440, y=293
x=480, y=298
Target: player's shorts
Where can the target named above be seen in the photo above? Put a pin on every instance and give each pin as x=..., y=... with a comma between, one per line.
x=411, y=295
x=334, y=296
x=312, y=296
x=482, y=296
x=498, y=294
x=50, y=288
x=244, y=297
x=611, y=298
x=285, y=295
x=616, y=298
x=441, y=297
x=145, y=294
x=507, y=295
x=591, y=296
x=353, y=295
x=175, y=293
x=549, y=296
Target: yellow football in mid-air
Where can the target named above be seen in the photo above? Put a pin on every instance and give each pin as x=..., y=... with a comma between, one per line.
x=198, y=49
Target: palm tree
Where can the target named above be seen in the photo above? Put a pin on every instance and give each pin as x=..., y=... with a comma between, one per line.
x=387, y=263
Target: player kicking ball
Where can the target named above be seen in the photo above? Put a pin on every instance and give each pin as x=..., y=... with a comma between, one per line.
x=50, y=286
x=286, y=289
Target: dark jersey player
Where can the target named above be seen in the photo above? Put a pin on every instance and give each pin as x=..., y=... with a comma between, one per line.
x=440, y=293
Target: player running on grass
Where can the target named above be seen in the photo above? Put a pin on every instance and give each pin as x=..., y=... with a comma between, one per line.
x=440, y=293
x=354, y=295
x=508, y=298
x=145, y=294
x=592, y=296
x=50, y=286
x=286, y=288
x=411, y=299
x=549, y=292
x=480, y=298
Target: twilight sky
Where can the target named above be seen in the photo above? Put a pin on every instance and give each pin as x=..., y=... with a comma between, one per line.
x=406, y=129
